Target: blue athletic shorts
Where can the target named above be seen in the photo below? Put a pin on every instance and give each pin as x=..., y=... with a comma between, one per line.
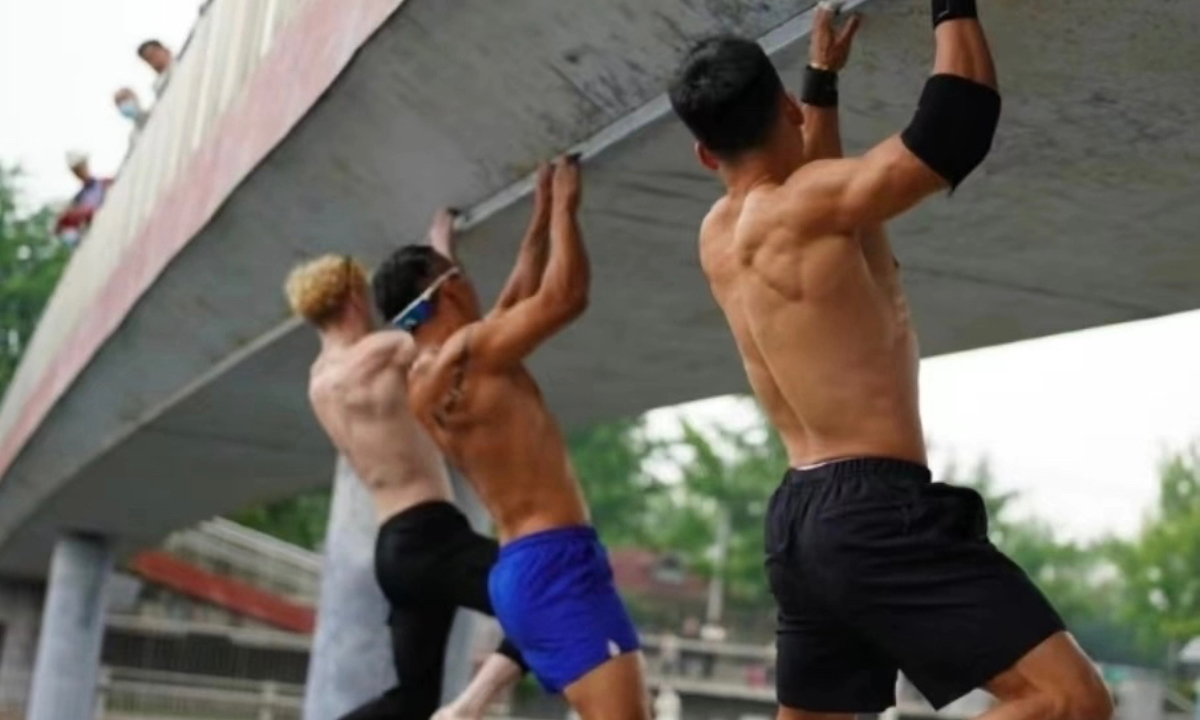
x=554, y=596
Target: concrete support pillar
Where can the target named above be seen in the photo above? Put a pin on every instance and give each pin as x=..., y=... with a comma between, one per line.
x=68, y=655
x=468, y=626
x=20, y=617
x=351, y=660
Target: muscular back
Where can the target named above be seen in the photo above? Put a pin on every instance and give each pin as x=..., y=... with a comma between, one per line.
x=359, y=394
x=493, y=424
x=822, y=326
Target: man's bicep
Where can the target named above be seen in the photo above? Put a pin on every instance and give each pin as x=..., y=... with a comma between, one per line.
x=886, y=182
x=508, y=336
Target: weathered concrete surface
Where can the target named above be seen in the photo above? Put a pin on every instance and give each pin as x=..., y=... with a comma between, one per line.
x=1081, y=218
x=351, y=659
x=67, y=667
x=21, y=615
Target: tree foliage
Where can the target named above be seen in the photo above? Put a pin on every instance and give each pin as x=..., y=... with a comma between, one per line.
x=1079, y=579
x=723, y=472
x=1160, y=569
x=300, y=520
x=31, y=261
x=610, y=461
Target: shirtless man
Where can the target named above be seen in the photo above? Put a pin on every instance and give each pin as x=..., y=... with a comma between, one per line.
x=874, y=568
x=552, y=586
x=428, y=561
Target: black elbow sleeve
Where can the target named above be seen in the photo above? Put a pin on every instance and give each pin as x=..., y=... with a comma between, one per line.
x=953, y=128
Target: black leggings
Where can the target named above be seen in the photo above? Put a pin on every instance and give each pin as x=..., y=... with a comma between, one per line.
x=429, y=562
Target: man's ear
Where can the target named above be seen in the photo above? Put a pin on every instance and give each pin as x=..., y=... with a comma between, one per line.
x=706, y=157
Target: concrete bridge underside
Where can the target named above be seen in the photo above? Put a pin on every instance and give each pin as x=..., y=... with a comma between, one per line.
x=1085, y=215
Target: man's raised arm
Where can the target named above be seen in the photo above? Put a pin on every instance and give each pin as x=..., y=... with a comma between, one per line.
x=948, y=138
x=828, y=52
x=508, y=335
x=441, y=234
x=526, y=276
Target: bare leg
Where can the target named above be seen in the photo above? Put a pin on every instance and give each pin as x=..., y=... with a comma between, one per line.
x=1054, y=681
x=614, y=691
x=497, y=674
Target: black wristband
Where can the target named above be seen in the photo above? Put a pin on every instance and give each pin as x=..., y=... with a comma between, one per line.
x=820, y=88
x=944, y=10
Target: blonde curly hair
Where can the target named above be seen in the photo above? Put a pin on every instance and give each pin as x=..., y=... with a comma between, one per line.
x=317, y=290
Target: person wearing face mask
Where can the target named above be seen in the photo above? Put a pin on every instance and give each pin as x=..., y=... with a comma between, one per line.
x=130, y=107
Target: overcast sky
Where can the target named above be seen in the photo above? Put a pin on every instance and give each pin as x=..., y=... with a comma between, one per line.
x=1079, y=422
x=60, y=63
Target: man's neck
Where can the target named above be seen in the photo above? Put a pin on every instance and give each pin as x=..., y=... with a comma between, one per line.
x=434, y=334
x=751, y=171
x=343, y=336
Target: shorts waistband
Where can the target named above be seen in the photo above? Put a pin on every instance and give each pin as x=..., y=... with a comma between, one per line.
x=422, y=515
x=554, y=536
x=862, y=468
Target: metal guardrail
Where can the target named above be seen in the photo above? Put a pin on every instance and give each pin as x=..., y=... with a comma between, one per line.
x=146, y=694
x=243, y=636
x=229, y=40
x=261, y=560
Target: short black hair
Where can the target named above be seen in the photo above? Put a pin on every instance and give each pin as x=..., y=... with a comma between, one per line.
x=149, y=44
x=728, y=93
x=405, y=275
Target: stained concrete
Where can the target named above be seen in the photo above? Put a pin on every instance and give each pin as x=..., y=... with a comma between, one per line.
x=67, y=667
x=1082, y=217
x=351, y=658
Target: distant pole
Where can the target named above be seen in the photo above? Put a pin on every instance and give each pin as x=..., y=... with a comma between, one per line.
x=716, y=586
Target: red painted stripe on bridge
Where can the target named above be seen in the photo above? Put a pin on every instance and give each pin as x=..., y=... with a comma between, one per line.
x=242, y=598
x=303, y=63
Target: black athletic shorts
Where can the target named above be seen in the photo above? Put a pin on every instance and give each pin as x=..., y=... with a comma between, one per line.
x=429, y=562
x=876, y=569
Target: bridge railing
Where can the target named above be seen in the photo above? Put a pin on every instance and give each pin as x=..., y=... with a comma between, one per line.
x=229, y=41
x=235, y=551
x=146, y=694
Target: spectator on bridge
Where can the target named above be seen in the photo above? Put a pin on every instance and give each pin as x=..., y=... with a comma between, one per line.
x=75, y=220
x=130, y=107
x=160, y=59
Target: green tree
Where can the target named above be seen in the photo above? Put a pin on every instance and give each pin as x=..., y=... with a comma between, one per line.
x=610, y=461
x=725, y=476
x=1161, y=567
x=31, y=261
x=1065, y=571
x=300, y=520
x=1079, y=579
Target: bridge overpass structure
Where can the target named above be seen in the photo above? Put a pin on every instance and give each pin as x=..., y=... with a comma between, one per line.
x=166, y=382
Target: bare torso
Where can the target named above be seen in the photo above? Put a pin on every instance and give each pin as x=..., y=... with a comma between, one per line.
x=360, y=397
x=823, y=328
x=495, y=427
